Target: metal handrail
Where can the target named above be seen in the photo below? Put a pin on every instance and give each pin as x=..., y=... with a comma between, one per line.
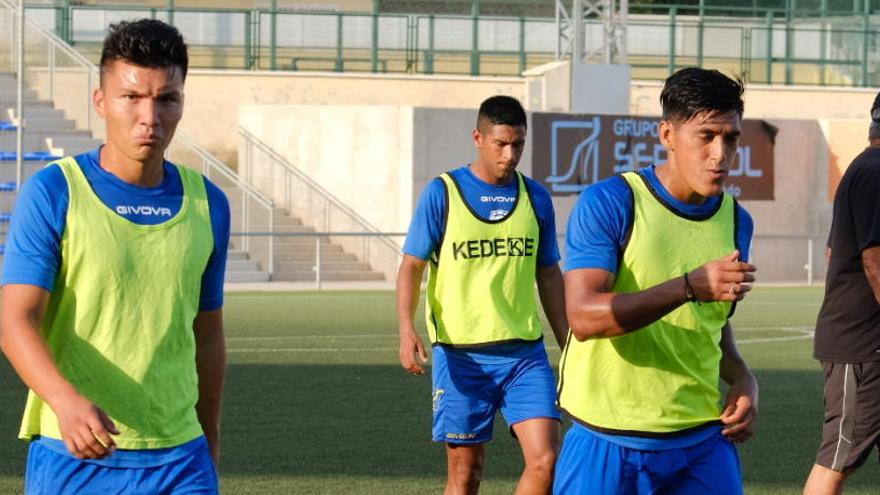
x=224, y=170
x=314, y=186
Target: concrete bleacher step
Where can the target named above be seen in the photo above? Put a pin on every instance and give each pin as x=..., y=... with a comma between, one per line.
x=239, y=276
x=335, y=266
x=12, y=102
x=7, y=169
x=72, y=144
x=8, y=92
x=40, y=112
x=329, y=252
x=329, y=276
x=236, y=254
x=40, y=124
x=243, y=265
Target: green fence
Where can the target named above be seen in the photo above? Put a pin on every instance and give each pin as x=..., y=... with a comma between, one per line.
x=797, y=44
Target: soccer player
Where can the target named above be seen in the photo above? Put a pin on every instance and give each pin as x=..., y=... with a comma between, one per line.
x=112, y=293
x=489, y=235
x=655, y=261
x=847, y=340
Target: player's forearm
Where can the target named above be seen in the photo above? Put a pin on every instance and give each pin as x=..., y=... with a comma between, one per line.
x=610, y=314
x=551, y=290
x=409, y=281
x=29, y=355
x=24, y=346
x=733, y=367
x=211, y=369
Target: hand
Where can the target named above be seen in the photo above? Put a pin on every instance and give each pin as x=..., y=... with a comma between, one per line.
x=726, y=279
x=410, y=346
x=740, y=414
x=85, y=428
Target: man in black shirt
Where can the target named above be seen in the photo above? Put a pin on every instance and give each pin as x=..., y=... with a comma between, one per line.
x=847, y=338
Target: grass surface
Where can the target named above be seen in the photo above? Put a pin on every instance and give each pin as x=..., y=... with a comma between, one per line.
x=316, y=403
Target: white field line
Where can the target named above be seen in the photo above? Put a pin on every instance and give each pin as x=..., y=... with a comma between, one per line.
x=801, y=333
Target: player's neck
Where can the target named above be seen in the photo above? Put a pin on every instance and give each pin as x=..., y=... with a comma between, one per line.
x=671, y=179
x=148, y=173
x=483, y=174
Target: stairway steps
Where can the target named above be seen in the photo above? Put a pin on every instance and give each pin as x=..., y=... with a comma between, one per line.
x=329, y=276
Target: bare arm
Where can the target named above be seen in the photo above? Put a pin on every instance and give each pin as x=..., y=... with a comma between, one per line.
x=551, y=290
x=595, y=312
x=211, y=368
x=740, y=414
x=409, y=281
x=871, y=264
x=85, y=428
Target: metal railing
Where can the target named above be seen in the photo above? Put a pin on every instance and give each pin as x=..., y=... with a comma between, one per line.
x=292, y=189
x=51, y=63
x=795, y=45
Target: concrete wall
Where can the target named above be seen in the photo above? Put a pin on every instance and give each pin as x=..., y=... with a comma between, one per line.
x=214, y=98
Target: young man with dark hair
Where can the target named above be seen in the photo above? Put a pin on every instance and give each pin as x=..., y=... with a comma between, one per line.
x=488, y=234
x=847, y=340
x=113, y=291
x=655, y=262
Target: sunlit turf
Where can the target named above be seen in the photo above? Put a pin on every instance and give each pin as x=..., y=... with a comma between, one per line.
x=316, y=403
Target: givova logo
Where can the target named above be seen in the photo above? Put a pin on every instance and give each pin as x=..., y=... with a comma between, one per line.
x=158, y=211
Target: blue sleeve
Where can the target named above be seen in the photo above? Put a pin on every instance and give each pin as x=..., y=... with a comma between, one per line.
x=428, y=222
x=745, y=227
x=598, y=226
x=211, y=297
x=548, y=248
x=33, y=246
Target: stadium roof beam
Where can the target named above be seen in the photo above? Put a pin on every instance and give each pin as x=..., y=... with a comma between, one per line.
x=571, y=26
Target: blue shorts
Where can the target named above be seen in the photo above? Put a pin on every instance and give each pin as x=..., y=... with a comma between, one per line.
x=52, y=472
x=590, y=464
x=467, y=393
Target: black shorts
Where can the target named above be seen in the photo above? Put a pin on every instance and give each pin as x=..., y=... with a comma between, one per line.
x=852, y=414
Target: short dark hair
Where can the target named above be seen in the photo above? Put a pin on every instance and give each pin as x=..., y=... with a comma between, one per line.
x=692, y=91
x=874, y=130
x=147, y=43
x=502, y=110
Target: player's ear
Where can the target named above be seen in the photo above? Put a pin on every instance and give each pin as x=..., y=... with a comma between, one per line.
x=98, y=101
x=478, y=138
x=667, y=133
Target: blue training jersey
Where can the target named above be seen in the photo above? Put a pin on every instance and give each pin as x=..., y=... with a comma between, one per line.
x=33, y=246
x=596, y=237
x=33, y=250
x=490, y=202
